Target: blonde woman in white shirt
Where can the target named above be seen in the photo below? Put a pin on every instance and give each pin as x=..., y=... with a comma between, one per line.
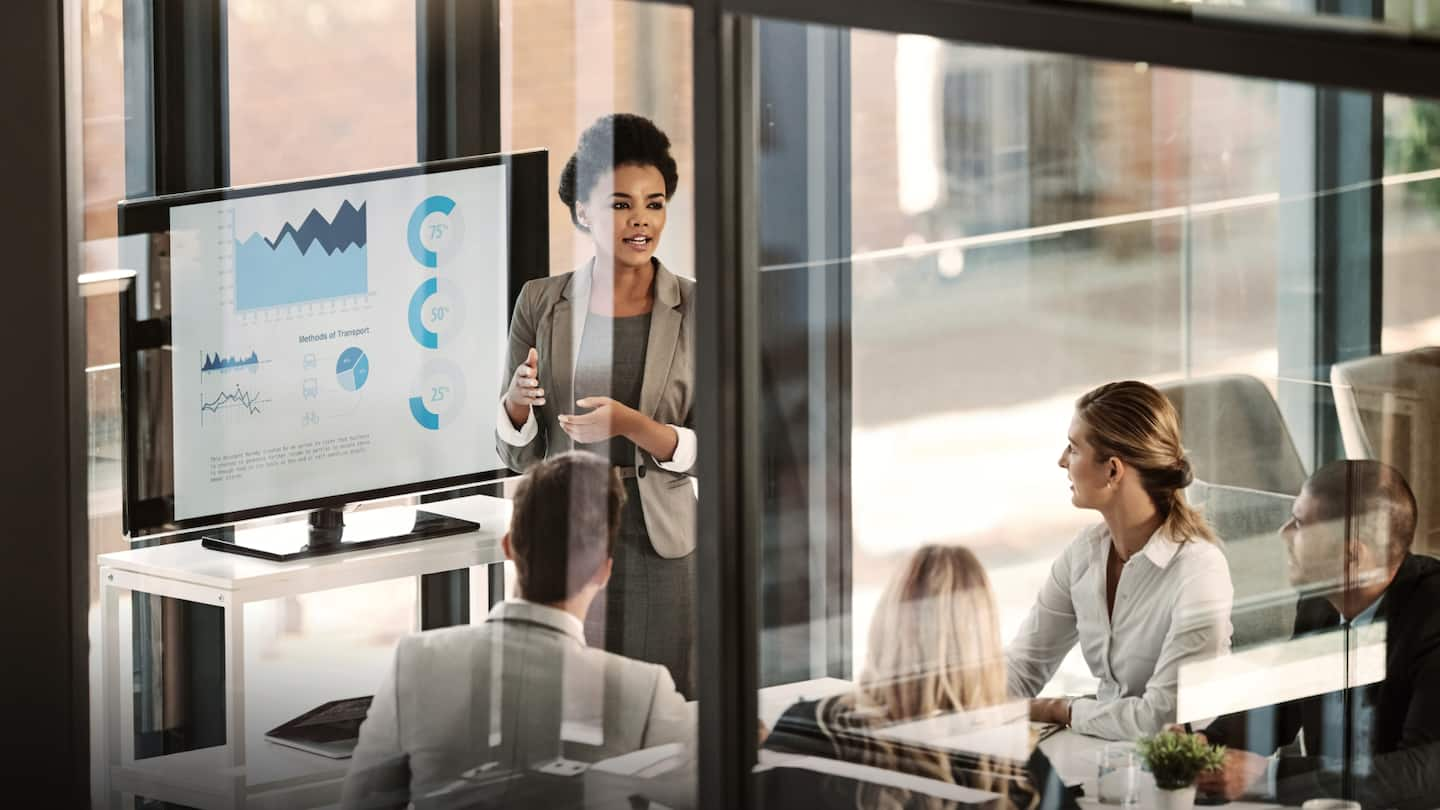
x=1143, y=591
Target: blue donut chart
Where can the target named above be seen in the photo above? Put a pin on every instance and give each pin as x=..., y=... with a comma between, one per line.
x=440, y=394
x=423, y=335
x=432, y=205
x=427, y=418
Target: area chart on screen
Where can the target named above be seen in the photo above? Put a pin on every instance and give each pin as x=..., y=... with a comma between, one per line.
x=323, y=258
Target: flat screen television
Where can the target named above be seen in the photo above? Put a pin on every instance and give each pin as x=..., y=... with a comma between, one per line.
x=304, y=345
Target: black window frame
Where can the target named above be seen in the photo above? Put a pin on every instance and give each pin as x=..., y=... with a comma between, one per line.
x=44, y=568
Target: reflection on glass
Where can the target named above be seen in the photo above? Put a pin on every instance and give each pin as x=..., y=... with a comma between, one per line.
x=1023, y=227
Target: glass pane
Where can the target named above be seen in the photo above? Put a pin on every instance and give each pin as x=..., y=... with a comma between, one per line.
x=182, y=701
x=103, y=184
x=320, y=87
x=580, y=682
x=1116, y=447
x=316, y=88
x=250, y=680
x=1412, y=200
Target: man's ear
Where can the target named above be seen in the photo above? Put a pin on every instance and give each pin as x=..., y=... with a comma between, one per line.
x=1363, y=557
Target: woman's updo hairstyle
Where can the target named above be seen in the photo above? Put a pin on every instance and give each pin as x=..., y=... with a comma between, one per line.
x=1137, y=424
x=615, y=140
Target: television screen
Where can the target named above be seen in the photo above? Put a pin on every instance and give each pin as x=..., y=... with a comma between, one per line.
x=331, y=340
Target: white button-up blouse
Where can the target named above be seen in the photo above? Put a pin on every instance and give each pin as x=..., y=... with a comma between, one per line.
x=1172, y=606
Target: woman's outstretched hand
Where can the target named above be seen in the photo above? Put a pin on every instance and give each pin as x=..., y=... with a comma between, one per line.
x=524, y=391
x=607, y=420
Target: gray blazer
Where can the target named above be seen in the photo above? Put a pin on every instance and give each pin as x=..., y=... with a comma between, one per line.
x=520, y=689
x=550, y=315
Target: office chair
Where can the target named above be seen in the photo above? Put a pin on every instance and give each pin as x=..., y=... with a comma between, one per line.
x=1389, y=410
x=1234, y=433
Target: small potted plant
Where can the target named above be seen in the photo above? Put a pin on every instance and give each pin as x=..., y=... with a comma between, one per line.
x=1176, y=759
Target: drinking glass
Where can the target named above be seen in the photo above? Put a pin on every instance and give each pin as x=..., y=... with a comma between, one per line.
x=1119, y=774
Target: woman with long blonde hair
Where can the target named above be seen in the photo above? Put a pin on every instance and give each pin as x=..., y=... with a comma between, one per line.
x=1143, y=591
x=934, y=652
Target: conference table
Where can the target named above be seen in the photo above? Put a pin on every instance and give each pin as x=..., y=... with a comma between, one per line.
x=1075, y=756
x=666, y=775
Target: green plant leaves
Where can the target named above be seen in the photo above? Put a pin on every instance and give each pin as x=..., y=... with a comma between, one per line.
x=1176, y=758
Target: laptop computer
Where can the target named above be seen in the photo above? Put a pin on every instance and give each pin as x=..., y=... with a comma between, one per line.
x=330, y=729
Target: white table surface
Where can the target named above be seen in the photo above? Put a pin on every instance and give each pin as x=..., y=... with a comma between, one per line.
x=774, y=700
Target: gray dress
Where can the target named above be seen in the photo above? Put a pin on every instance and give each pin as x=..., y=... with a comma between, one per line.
x=648, y=611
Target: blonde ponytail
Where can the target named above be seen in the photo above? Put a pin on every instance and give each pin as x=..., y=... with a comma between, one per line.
x=1183, y=521
x=1134, y=422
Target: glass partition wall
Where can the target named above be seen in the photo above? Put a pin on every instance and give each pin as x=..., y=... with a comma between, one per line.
x=936, y=563
x=936, y=258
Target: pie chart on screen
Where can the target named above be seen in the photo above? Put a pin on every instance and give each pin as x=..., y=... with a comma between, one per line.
x=352, y=369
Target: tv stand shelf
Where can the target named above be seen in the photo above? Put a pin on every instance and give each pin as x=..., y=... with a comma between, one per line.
x=247, y=771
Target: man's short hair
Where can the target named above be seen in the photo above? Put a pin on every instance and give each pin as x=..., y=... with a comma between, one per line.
x=563, y=526
x=1380, y=503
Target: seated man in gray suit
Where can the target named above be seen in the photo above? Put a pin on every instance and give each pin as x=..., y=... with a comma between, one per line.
x=520, y=692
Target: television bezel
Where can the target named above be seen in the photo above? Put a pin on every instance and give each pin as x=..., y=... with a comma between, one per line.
x=527, y=184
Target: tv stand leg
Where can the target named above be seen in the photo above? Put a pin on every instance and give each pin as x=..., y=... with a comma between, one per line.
x=234, y=683
x=110, y=675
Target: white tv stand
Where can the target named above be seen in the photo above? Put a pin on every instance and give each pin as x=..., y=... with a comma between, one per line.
x=247, y=771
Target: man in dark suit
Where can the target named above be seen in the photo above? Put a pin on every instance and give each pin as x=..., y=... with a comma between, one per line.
x=1348, y=540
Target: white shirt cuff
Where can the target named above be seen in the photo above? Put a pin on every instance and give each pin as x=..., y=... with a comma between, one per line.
x=1271, y=781
x=683, y=458
x=1081, y=710
x=517, y=438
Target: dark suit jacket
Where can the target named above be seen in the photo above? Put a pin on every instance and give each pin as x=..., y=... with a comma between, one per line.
x=1398, y=763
